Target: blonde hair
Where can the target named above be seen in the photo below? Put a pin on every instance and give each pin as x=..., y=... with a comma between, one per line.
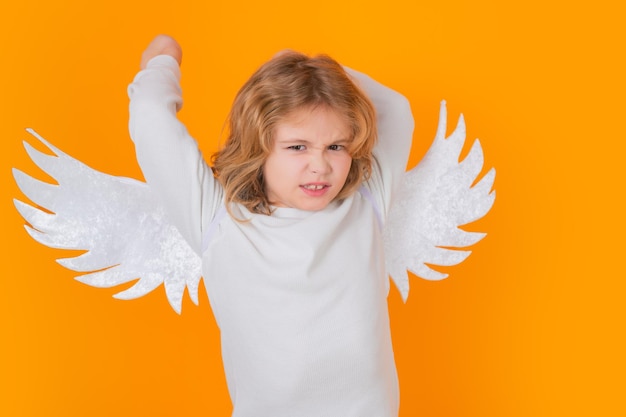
x=288, y=82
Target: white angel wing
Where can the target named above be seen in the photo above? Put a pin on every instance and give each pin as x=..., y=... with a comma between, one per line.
x=118, y=221
x=436, y=197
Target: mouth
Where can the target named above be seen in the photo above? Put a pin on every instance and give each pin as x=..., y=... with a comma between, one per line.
x=314, y=187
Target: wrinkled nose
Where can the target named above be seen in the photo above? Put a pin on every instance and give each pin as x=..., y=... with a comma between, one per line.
x=318, y=163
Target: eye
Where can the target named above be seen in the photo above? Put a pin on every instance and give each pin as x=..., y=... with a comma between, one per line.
x=336, y=147
x=297, y=147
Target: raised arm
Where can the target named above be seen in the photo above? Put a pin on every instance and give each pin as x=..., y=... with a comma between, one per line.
x=395, y=133
x=169, y=157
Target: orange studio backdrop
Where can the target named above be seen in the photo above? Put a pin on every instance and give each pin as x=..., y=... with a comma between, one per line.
x=530, y=325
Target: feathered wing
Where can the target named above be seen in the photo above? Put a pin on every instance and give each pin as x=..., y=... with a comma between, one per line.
x=117, y=220
x=435, y=198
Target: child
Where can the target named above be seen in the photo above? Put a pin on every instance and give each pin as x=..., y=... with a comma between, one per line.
x=288, y=224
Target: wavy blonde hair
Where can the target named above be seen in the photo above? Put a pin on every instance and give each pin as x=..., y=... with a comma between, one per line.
x=288, y=82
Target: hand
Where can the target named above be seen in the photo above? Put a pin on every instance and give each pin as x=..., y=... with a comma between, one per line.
x=162, y=45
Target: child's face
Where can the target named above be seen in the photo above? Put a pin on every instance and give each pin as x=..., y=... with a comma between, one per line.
x=309, y=161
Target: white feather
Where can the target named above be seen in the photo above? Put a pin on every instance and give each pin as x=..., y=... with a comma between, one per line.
x=117, y=220
x=436, y=198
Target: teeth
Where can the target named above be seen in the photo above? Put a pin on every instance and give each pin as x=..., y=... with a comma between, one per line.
x=313, y=187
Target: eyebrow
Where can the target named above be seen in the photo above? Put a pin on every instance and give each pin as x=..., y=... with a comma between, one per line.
x=304, y=141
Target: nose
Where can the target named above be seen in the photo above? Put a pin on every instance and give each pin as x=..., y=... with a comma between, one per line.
x=319, y=163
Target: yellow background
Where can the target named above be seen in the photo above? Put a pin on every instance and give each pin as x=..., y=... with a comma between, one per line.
x=531, y=325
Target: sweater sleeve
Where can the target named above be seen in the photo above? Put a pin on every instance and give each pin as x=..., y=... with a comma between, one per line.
x=395, y=133
x=169, y=157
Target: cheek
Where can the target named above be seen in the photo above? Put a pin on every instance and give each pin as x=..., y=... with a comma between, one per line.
x=342, y=169
x=277, y=169
x=345, y=164
x=272, y=167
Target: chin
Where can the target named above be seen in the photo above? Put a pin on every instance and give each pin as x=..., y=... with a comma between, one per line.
x=313, y=206
x=322, y=206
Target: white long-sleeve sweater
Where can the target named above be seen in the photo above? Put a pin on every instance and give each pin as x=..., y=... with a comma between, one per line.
x=300, y=297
